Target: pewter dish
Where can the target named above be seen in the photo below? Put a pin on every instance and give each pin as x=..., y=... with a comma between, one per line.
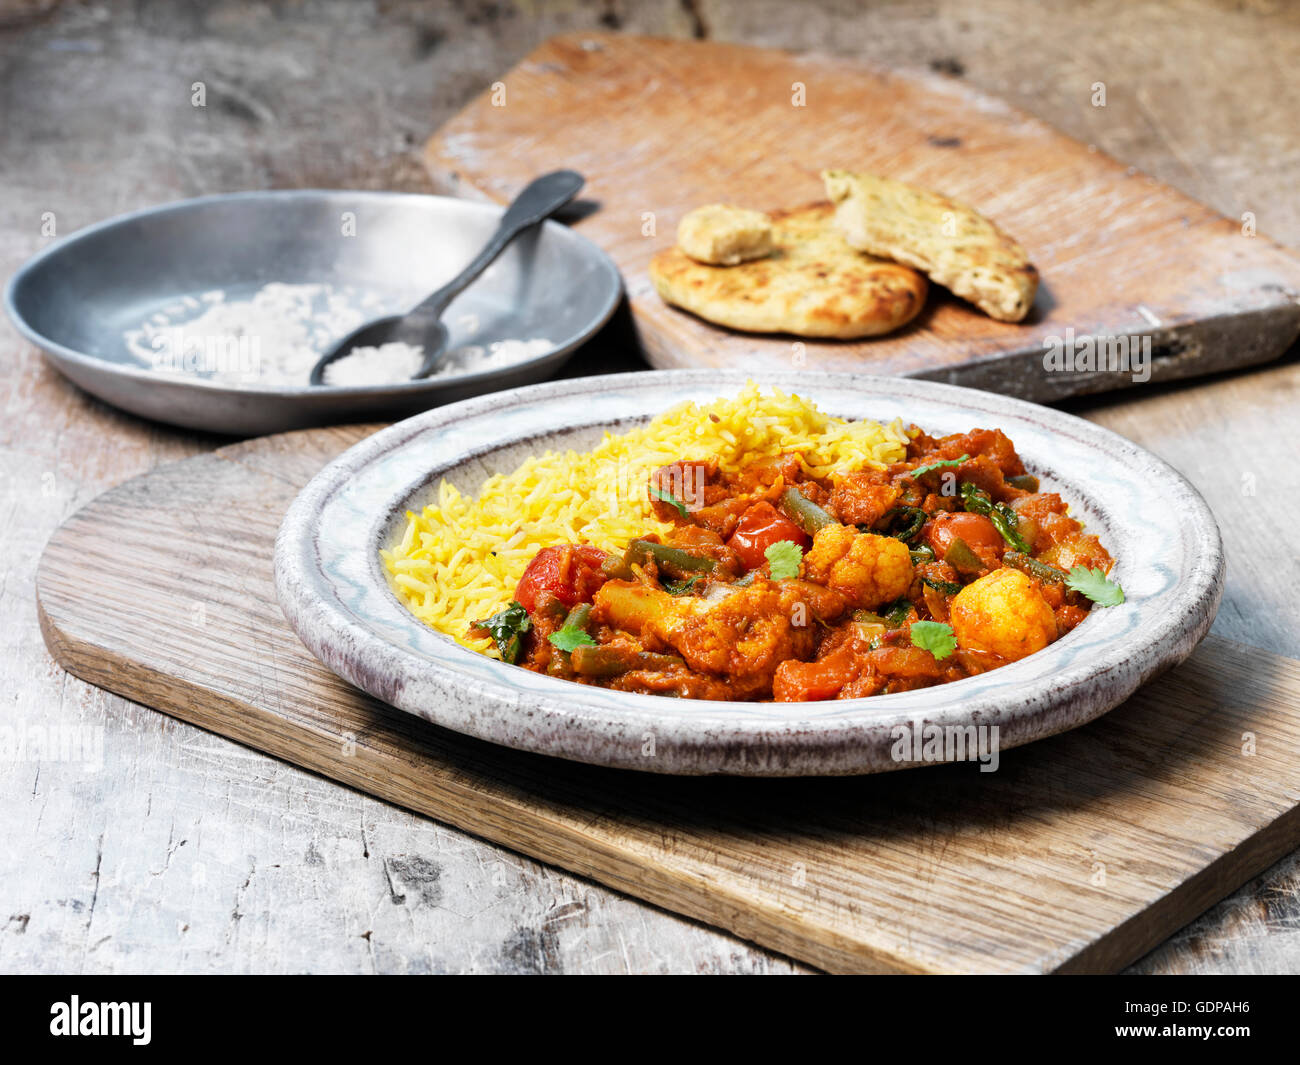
x=336, y=595
x=77, y=299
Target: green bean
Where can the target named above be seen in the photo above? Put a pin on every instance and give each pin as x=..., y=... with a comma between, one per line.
x=804, y=512
x=577, y=617
x=615, y=567
x=612, y=661
x=960, y=556
x=558, y=667
x=672, y=559
x=550, y=607
x=1034, y=568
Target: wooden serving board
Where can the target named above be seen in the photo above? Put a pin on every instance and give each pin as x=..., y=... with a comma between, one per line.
x=1080, y=853
x=659, y=127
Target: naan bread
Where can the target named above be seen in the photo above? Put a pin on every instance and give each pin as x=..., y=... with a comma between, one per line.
x=724, y=235
x=812, y=284
x=954, y=244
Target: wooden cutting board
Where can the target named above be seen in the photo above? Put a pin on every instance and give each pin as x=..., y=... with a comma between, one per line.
x=1080, y=852
x=659, y=127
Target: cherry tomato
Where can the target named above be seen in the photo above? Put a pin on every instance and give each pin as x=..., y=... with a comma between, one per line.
x=761, y=526
x=980, y=534
x=570, y=572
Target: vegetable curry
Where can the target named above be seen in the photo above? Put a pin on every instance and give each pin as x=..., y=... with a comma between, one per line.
x=774, y=584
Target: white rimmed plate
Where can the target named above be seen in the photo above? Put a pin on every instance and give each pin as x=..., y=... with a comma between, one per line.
x=336, y=595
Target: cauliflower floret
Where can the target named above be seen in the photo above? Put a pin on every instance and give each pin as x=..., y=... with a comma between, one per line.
x=866, y=569
x=748, y=633
x=1003, y=612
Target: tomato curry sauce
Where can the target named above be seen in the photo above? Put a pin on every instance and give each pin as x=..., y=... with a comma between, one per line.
x=773, y=584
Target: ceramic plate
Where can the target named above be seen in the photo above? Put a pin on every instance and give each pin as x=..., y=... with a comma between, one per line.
x=375, y=253
x=336, y=594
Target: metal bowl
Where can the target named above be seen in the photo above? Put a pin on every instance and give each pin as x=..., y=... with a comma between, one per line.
x=78, y=298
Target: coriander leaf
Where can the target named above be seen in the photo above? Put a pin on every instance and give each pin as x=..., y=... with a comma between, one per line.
x=566, y=639
x=1093, y=584
x=935, y=637
x=940, y=465
x=670, y=499
x=507, y=628
x=783, y=559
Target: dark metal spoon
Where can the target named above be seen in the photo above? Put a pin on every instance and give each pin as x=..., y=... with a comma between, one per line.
x=422, y=325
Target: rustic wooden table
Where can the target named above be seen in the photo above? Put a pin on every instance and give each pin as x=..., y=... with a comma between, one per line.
x=184, y=852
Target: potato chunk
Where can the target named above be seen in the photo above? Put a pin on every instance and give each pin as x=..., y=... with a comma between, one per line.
x=722, y=235
x=1004, y=613
x=868, y=570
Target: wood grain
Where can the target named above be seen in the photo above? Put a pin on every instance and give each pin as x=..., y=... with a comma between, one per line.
x=1079, y=854
x=659, y=127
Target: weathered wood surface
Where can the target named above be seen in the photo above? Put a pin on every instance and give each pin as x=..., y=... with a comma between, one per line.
x=1076, y=854
x=659, y=127
x=186, y=852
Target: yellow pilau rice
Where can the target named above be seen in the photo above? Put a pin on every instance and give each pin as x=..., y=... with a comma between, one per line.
x=460, y=560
